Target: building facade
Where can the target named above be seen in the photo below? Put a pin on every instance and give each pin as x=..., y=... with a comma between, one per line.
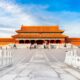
x=40, y=36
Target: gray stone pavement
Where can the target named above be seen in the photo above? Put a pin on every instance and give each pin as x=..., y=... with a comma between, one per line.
x=39, y=65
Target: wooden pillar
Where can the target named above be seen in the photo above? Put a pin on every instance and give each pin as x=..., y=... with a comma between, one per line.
x=54, y=41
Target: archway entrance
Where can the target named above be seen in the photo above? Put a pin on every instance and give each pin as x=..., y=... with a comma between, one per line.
x=21, y=41
x=32, y=41
x=52, y=41
x=58, y=41
x=39, y=41
x=27, y=41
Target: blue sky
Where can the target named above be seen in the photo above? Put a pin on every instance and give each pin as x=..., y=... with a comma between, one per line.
x=55, y=5
x=14, y=13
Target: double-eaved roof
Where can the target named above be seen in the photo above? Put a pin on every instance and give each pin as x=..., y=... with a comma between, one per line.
x=39, y=32
x=39, y=35
x=39, y=29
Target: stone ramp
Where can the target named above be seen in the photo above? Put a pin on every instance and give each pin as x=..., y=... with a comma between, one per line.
x=20, y=54
x=38, y=67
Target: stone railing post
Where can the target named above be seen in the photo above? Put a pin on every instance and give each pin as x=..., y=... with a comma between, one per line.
x=72, y=59
x=5, y=57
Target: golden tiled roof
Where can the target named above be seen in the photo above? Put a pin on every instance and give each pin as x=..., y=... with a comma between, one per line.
x=39, y=29
x=7, y=40
x=74, y=39
x=76, y=43
x=39, y=35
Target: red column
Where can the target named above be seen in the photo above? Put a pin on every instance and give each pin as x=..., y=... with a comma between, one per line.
x=54, y=41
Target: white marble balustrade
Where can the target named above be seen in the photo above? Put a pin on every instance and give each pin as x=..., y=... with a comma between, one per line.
x=72, y=58
x=5, y=57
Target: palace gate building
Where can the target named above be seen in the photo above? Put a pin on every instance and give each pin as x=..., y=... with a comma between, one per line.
x=40, y=36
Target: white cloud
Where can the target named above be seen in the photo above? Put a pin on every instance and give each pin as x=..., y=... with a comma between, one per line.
x=68, y=21
x=12, y=16
x=7, y=32
x=5, y=35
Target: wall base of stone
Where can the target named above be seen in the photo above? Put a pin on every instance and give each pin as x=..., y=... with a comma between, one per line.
x=42, y=46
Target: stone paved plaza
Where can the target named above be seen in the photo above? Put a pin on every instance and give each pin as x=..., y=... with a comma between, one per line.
x=39, y=64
